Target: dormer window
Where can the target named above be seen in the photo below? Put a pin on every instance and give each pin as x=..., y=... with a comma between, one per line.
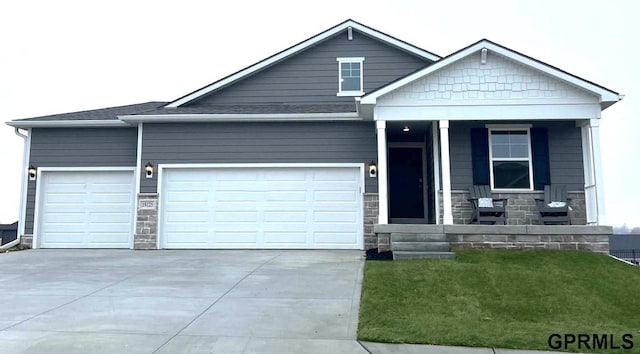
x=350, y=76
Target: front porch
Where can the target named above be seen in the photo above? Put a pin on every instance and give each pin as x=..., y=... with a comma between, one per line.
x=425, y=169
x=487, y=116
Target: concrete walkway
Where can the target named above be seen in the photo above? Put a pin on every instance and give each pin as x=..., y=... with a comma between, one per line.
x=122, y=301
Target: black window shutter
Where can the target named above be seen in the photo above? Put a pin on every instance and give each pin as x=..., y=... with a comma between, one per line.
x=540, y=152
x=480, y=156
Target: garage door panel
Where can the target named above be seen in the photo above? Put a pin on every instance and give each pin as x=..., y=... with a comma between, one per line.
x=335, y=175
x=246, y=237
x=333, y=217
x=334, y=238
x=278, y=216
x=65, y=198
x=285, y=175
x=108, y=238
x=187, y=196
x=289, y=196
x=109, y=197
x=188, y=185
x=188, y=216
x=236, y=196
x=263, y=208
x=285, y=237
x=62, y=227
x=110, y=217
x=64, y=239
x=335, y=196
x=86, y=209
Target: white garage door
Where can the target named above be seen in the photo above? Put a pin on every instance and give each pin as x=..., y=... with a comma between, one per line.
x=298, y=207
x=86, y=209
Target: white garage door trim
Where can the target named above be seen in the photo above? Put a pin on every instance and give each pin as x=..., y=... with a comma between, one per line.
x=39, y=190
x=361, y=184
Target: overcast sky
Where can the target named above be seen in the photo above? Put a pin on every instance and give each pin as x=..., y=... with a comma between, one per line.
x=62, y=56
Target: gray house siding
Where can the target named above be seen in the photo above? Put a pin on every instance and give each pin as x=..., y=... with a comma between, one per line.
x=295, y=142
x=78, y=147
x=565, y=153
x=312, y=76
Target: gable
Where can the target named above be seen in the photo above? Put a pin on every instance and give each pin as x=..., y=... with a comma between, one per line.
x=498, y=81
x=311, y=76
x=488, y=81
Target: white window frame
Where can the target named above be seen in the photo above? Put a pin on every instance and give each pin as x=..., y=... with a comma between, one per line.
x=359, y=60
x=515, y=127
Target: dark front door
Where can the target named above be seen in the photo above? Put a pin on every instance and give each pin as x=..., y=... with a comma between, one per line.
x=406, y=196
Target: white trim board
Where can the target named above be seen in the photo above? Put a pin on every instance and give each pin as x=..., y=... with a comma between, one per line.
x=227, y=117
x=137, y=175
x=113, y=123
x=24, y=178
x=604, y=94
x=258, y=165
x=300, y=47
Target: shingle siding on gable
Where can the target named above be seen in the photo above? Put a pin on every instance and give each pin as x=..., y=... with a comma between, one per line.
x=565, y=154
x=78, y=147
x=312, y=76
x=291, y=142
x=500, y=79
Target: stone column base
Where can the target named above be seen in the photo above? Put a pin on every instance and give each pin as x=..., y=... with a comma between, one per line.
x=146, y=236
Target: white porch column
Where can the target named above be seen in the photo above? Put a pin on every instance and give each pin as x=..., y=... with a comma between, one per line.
x=436, y=168
x=594, y=126
x=383, y=190
x=446, y=172
x=590, y=197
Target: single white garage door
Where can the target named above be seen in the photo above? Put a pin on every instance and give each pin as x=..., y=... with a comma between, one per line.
x=86, y=209
x=299, y=207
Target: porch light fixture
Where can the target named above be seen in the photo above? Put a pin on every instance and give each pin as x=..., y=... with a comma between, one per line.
x=373, y=169
x=148, y=168
x=32, y=173
x=406, y=129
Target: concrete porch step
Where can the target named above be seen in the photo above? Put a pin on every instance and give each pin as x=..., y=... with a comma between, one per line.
x=417, y=237
x=397, y=255
x=420, y=246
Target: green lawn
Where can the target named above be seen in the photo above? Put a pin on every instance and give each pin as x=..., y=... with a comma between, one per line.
x=496, y=298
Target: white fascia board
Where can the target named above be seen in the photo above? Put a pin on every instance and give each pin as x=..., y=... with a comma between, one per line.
x=67, y=123
x=289, y=117
x=489, y=112
x=299, y=47
x=604, y=94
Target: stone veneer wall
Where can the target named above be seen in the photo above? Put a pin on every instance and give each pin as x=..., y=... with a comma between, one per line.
x=146, y=235
x=521, y=207
x=553, y=237
x=26, y=241
x=370, y=206
x=561, y=237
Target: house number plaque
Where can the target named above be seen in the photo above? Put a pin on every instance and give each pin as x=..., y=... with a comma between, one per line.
x=147, y=204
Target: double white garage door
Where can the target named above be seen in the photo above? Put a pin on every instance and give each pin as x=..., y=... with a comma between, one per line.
x=262, y=207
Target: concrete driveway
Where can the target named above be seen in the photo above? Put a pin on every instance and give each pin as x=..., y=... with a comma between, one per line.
x=122, y=301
